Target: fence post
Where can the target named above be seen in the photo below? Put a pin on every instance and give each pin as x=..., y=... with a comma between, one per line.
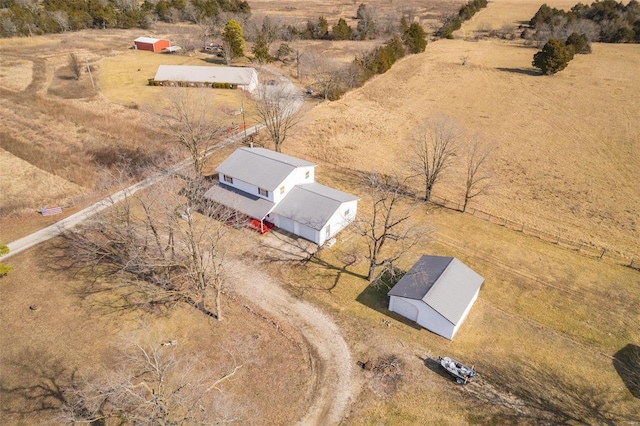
x=522, y=228
x=602, y=254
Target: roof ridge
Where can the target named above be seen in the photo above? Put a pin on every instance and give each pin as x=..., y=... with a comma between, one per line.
x=253, y=151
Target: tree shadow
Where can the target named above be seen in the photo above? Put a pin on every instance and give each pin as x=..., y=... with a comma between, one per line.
x=43, y=379
x=525, y=71
x=214, y=60
x=108, y=292
x=375, y=297
x=283, y=247
x=627, y=363
x=529, y=393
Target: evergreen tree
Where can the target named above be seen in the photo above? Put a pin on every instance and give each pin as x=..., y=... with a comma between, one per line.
x=415, y=38
x=553, y=57
x=261, y=49
x=322, y=29
x=233, y=35
x=579, y=43
x=341, y=30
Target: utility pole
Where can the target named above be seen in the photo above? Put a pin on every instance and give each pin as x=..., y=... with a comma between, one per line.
x=244, y=123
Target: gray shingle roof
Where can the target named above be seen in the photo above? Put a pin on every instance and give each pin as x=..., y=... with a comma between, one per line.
x=260, y=167
x=312, y=204
x=205, y=73
x=249, y=204
x=444, y=283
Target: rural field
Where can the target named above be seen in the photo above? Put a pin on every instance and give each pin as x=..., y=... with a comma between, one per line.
x=554, y=335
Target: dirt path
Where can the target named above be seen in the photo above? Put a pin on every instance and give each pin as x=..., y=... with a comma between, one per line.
x=335, y=384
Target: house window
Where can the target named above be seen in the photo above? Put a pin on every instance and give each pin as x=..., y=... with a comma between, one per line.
x=228, y=179
x=263, y=192
x=346, y=213
x=282, y=190
x=306, y=174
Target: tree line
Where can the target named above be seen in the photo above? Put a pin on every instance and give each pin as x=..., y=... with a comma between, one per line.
x=604, y=21
x=32, y=17
x=565, y=34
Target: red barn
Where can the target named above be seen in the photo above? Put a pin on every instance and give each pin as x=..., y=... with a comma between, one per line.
x=151, y=44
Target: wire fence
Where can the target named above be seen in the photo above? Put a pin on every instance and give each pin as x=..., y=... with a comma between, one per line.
x=582, y=247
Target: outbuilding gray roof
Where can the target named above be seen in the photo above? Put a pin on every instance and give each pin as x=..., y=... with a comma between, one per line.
x=260, y=167
x=206, y=74
x=312, y=204
x=248, y=204
x=444, y=283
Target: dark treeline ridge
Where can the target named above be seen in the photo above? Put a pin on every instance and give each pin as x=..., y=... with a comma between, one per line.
x=31, y=17
x=606, y=21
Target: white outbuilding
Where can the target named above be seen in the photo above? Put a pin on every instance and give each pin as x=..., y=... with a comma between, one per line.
x=437, y=293
x=244, y=78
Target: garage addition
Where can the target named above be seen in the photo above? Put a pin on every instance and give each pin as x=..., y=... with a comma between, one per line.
x=275, y=188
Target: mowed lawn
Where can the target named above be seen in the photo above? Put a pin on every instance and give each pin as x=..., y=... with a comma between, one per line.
x=543, y=334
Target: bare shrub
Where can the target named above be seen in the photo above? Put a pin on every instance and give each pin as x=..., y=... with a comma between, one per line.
x=74, y=65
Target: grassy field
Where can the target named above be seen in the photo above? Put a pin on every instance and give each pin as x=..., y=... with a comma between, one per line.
x=543, y=334
x=565, y=148
x=57, y=328
x=549, y=324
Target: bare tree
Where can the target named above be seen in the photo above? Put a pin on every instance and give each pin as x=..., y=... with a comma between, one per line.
x=74, y=65
x=154, y=384
x=206, y=28
x=277, y=106
x=477, y=181
x=227, y=52
x=435, y=143
x=191, y=120
x=61, y=18
x=367, y=28
x=164, y=247
x=325, y=72
x=387, y=230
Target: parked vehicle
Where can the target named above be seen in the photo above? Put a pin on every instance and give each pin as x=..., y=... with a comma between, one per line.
x=460, y=372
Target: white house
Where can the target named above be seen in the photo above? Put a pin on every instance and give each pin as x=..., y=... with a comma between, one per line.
x=437, y=293
x=277, y=188
x=244, y=78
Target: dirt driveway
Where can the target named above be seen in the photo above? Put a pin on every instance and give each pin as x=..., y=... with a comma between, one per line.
x=335, y=384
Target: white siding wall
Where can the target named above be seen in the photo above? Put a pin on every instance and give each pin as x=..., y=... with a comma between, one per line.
x=403, y=307
x=308, y=233
x=432, y=320
x=295, y=178
x=466, y=312
x=427, y=317
x=338, y=221
x=246, y=187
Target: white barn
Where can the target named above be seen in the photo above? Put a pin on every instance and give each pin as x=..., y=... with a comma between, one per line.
x=437, y=293
x=277, y=188
x=244, y=78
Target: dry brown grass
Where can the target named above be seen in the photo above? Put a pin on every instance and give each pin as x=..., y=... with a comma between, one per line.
x=75, y=332
x=564, y=145
x=558, y=316
x=565, y=161
x=44, y=188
